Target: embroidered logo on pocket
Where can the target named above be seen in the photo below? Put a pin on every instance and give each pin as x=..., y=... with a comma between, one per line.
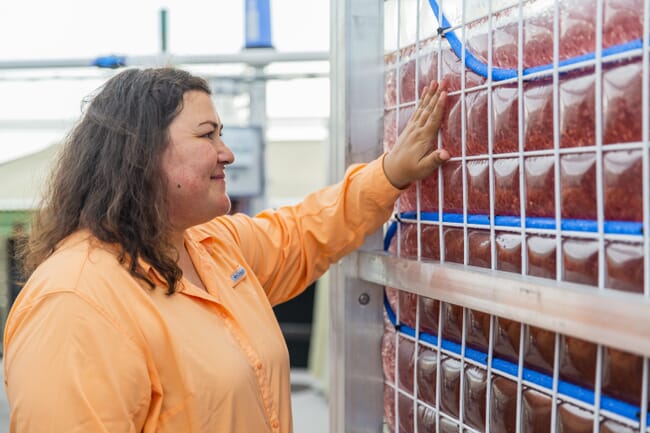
x=238, y=275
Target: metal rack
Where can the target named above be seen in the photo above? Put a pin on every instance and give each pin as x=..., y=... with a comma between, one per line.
x=592, y=311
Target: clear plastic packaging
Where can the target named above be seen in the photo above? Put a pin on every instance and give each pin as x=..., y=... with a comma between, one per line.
x=429, y=314
x=427, y=69
x=390, y=88
x=506, y=339
x=478, y=187
x=624, y=269
x=580, y=261
x=407, y=308
x=573, y=419
x=503, y=406
x=508, y=246
x=478, y=330
x=540, y=186
x=427, y=371
x=539, y=349
x=578, y=109
x=577, y=361
x=405, y=413
x=480, y=253
x=476, y=106
x=450, y=371
x=538, y=115
x=454, y=244
x=474, y=394
x=505, y=112
x=406, y=353
x=622, y=184
x=622, y=103
x=390, y=129
x=541, y=256
x=407, y=81
x=389, y=407
x=536, y=412
x=506, y=186
x=452, y=322
x=452, y=177
x=578, y=185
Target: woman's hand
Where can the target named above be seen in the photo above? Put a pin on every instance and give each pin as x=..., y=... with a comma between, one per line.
x=415, y=156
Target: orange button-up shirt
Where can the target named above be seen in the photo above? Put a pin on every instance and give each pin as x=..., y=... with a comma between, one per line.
x=89, y=348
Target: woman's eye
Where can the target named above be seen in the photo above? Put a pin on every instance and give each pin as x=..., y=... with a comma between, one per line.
x=209, y=135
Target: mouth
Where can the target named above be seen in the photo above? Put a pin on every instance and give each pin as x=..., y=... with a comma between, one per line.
x=218, y=177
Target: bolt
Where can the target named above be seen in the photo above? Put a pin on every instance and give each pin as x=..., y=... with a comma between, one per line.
x=364, y=298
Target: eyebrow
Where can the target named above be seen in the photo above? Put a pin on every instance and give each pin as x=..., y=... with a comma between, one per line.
x=210, y=122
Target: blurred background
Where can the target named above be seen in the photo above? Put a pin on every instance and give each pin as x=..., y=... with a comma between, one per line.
x=268, y=65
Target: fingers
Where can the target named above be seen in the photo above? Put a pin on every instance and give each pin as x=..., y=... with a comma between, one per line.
x=430, y=104
x=425, y=98
x=418, y=113
x=435, y=119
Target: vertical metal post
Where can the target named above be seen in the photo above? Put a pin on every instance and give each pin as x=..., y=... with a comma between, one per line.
x=163, y=31
x=356, y=329
x=257, y=117
x=257, y=24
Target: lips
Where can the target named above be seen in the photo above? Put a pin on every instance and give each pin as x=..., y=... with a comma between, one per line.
x=218, y=177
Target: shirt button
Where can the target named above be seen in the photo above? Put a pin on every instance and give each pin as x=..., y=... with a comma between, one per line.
x=258, y=365
x=275, y=424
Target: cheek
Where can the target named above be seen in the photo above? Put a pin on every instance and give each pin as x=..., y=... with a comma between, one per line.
x=188, y=176
x=185, y=184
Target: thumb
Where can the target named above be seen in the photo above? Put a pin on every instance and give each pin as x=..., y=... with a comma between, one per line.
x=436, y=158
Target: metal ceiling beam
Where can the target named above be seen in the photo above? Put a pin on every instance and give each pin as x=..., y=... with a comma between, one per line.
x=253, y=57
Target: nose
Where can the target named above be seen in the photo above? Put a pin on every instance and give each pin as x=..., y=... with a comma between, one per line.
x=224, y=154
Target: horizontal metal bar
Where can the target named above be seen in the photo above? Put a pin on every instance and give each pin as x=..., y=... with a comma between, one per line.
x=244, y=77
x=36, y=124
x=63, y=123
x=251, y=57
x=615, y=319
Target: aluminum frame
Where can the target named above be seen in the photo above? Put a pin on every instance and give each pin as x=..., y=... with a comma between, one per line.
x=357, y=85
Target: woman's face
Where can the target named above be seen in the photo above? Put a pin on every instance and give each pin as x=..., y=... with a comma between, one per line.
x=194, y=163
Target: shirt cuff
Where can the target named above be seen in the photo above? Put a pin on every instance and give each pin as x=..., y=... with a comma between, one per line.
x=383, y=192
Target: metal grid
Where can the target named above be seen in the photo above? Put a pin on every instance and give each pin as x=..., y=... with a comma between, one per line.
x=607, y=391
x=564, y=219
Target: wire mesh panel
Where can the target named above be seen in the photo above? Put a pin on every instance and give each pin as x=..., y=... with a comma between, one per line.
x=547, y=124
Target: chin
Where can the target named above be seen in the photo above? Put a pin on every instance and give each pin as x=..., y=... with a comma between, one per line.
x=224, y=207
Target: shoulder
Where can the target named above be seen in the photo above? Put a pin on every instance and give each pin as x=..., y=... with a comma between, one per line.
x=80, y=265
x=79, y=255
x=85, y=277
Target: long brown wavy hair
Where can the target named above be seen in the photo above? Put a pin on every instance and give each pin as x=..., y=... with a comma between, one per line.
x=108, y=176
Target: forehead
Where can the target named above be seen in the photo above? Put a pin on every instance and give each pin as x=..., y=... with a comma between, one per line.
x=197, y=107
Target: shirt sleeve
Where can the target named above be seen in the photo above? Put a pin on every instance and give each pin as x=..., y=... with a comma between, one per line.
x=69, y=369
x=292, y=246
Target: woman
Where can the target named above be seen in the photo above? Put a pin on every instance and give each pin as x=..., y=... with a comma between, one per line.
x=148, y=309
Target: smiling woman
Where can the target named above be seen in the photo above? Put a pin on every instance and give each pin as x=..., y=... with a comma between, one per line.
x=150, y=309
x=195, y=163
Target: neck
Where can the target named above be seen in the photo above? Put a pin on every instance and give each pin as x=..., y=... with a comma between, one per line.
x=178, y=241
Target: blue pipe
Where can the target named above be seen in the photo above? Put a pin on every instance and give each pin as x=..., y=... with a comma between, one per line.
x=257, y=24
x=500, y=74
